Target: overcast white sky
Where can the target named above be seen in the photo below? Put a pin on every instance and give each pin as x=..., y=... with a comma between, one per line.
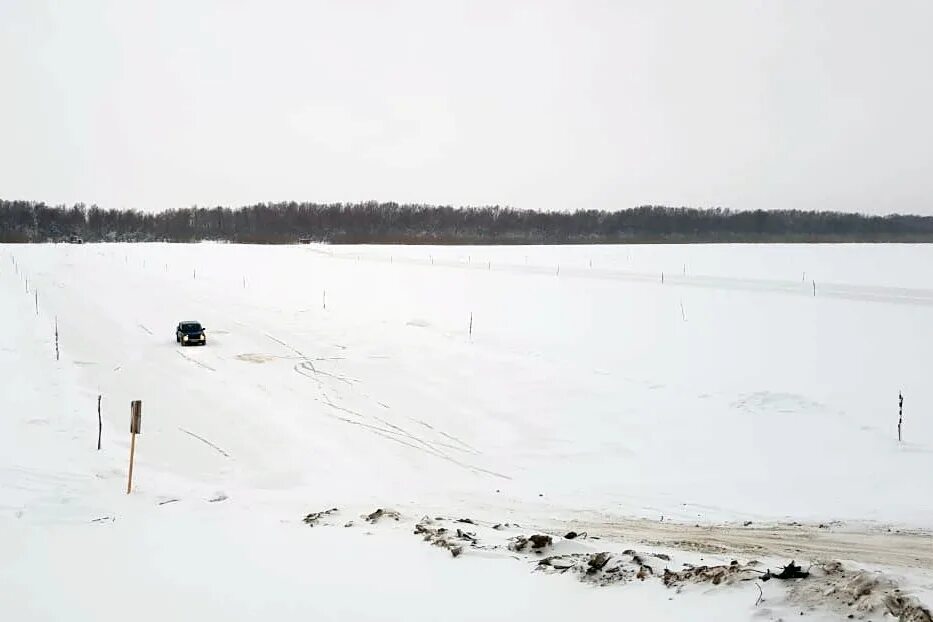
x=545, y=105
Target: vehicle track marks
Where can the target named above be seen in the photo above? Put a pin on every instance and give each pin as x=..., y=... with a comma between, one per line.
x=195, y=361
x=205, y=441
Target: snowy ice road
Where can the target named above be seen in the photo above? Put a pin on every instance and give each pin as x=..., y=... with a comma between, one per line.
x=479, y=382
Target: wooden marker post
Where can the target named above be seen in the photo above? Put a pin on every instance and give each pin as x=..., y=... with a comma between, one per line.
x=136, y=418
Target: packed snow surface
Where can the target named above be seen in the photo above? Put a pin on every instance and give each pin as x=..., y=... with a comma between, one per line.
x=701, y=384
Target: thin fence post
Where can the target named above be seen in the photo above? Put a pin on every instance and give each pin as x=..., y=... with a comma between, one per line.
x=900, y=414
x=100, y=423
x=814, y=288
x=37, y=303
x=471, y=323
x=324, y=300
x=56, y=337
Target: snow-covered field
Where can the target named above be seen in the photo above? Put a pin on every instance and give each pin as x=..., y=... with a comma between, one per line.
x=548, y=388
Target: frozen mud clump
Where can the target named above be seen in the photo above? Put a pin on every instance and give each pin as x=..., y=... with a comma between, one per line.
x=380, y=514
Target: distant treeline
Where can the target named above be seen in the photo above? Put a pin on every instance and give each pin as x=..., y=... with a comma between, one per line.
x=372, y=222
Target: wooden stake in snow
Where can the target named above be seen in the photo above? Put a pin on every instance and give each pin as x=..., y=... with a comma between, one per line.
x=136, y=418
x=100, y=423
x=558, y=269
x=194, y=273
x=324, y=300
x=27, y=284
x=662, y=277
x=814, y=288
x=37, y=303
x=56, y=337
x=900, y=414
x=471, y=323
x=683, y=313
x=244, y=282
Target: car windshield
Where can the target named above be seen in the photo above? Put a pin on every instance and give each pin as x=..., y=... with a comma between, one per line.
x=191, y=327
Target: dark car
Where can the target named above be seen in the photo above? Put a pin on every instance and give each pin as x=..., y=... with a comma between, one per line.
x=190, y=333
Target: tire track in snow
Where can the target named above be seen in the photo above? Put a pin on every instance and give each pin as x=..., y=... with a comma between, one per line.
x=195, y=361
x=806, y=541
x=205, y=441
x=391, y=431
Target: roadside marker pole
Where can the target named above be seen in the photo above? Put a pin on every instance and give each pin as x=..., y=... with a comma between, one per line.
x=900, y=414
x=136, y=417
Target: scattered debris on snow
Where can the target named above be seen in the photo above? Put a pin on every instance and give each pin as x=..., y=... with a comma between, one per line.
x=727, y=574
x=538, y=543
x=858, y=593
x=790, y=571
x=313, y=518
